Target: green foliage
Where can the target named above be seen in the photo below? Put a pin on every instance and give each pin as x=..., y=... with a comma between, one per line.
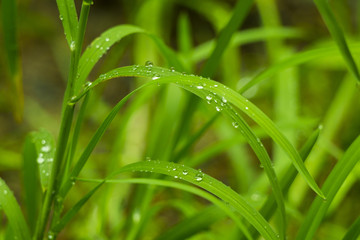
x=142, y=147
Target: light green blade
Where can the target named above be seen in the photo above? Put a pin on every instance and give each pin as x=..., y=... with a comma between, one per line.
x=13, y=212
x=208, y=183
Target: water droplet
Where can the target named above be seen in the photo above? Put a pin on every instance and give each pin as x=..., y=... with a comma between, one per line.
x=172, y=69
x=149, y=64
x=215, y=85
x=88, y=84
x=174, y=169
x=155, y=77
x=199, y=176
x=45, y=148
x=185, y=172
x=5, y=192
x=235, y=124
x=224, y=100
x=176, y=176
x=218, y=109
x=50, y=160
x=61, y=17
x=40, y=160
x=148, y=159
x=72, y=46
x=199, y=87
x=246, y=108
x=43, y=141
x=107, y=39
x=208, y=97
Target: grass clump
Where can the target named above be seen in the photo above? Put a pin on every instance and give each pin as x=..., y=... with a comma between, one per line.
x=120, y=158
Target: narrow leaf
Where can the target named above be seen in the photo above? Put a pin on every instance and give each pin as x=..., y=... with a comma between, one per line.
x=240, y=12
x=338, y=35
x=208, y=183
x=69, y=19
x=354, y=231
x=331, y=186
x=45, y=150
x=13, y=212
x=9, y=19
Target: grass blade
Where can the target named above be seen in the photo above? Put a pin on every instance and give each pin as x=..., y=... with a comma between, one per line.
x=354, y=231
x=208, y=183
x=31, y=181
x=194, y=190
x=243, y=37
x=338, y=35
x=73, y=211
x=330, y=188
x=268, y=209
x=294, y=60
x=98, y=48
x=9, y=15
x=240, y=12
x=45, y=149
x=69, y=19
x=204, y=88
x=13, y=212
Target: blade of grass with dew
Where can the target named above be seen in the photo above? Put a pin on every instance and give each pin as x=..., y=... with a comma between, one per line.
x=331, y=186
x=178, y=185
x=194, y=224
x=203, y=87
x=13, y=212
x=208, y=183
x=69, y=19
x=58, y=226
x=243, y=37
x=219, y=103
x=9, y=30
x=31, y=181
x=241, y=10
x=338, y=36
x=45, y=149
x=354, y=231
x=294, y=60
x=107, y=39
x=269, y=207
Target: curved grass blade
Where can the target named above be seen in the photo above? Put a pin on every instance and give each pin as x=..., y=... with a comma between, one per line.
x=208, y=183
x=331, y=186
x=354, y=231
x=45, y=150
x=338, y=35
x=69, y=19
x=13, y=212
x=206, y=88
x=9, y=31
x=167, y=183
x=269, y=207
x=240, y=12
x=103, y=43
x=294, y=60
x=72, y=212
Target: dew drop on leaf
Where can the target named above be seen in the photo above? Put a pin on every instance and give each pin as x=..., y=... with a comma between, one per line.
x=149, y=64
x=185, y=172
x=155, y=77
x=199, y=87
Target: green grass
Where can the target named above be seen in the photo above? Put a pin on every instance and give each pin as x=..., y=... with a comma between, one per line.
x=152, y=100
